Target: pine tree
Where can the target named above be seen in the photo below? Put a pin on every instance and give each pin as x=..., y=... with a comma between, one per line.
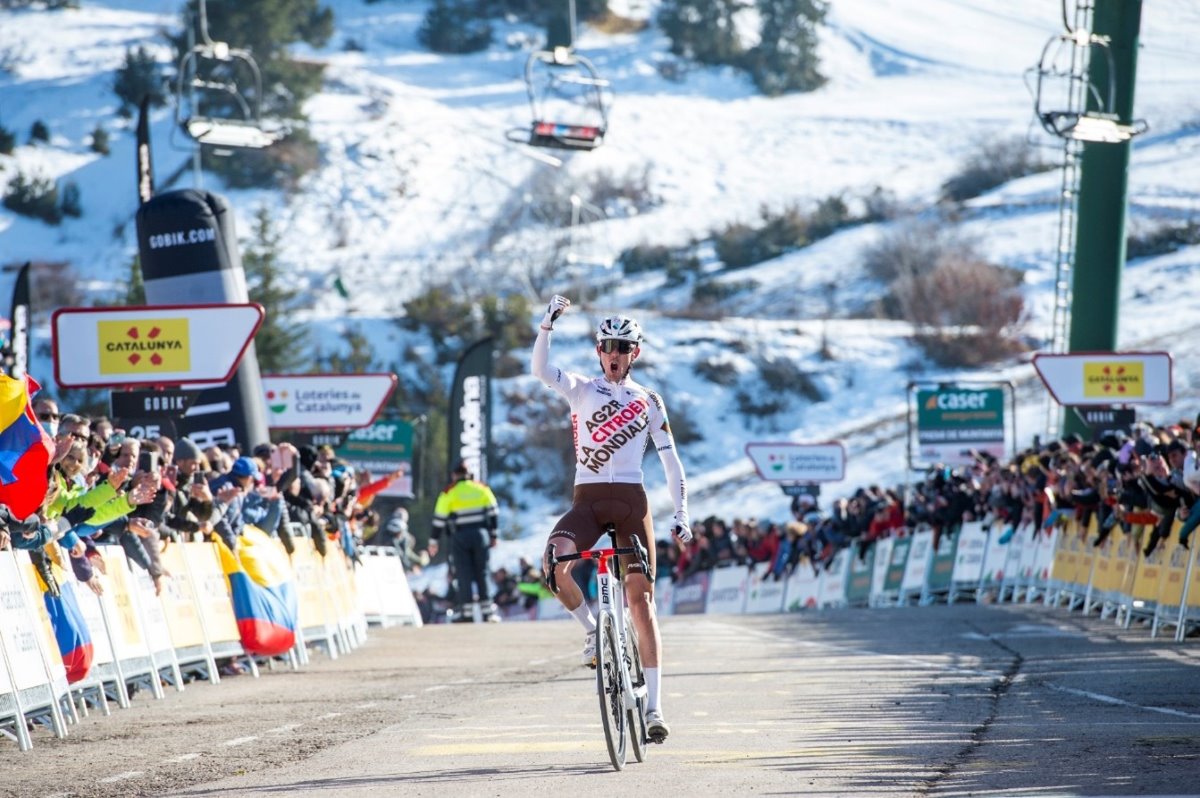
x=140, y=75
x=135, y=286
x=279, y=343
x=785, y=59
x=703, y=30
x=454, y=26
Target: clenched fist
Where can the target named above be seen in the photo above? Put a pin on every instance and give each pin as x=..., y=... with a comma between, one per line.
x=558, y=306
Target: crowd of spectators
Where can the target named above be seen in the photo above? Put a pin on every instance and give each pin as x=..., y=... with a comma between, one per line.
x=1149, y=476
x=109, y=489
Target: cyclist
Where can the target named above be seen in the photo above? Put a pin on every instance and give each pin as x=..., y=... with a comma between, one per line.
x=612, y=419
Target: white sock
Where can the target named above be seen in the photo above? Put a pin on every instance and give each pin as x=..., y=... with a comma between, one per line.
x=653, y=683
x=583, y=614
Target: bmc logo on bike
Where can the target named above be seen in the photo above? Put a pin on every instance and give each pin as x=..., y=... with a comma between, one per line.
x=604, y=593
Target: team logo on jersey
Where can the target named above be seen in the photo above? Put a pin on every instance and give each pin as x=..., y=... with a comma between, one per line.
x=611, y=427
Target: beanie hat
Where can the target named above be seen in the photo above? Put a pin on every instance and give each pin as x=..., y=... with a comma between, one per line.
x=185, y=449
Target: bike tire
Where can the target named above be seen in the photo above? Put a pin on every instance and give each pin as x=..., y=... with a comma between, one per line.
x=610, y=690
x=637, y=677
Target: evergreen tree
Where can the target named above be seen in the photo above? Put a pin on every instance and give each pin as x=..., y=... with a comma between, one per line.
x=39, y=131
x=135, y=287
x=703, y=30
x=358, y=358
x=454, y=26
x=279, y=343
x=100, y=140
x=785, y=59
x=140, y=75
x=8, y=141
x=71, y=200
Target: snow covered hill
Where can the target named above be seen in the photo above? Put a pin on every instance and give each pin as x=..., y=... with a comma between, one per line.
x=416, y=172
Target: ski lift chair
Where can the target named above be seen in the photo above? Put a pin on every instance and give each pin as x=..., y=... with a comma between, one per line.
x=248, y=132
x=1078, y=122
x=560, y=80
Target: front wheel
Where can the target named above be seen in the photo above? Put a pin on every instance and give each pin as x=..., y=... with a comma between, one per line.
x=609, y=688
x=637, y=677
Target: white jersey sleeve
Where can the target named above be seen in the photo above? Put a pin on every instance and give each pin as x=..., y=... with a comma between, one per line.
x=664, y=442
x=567, y=383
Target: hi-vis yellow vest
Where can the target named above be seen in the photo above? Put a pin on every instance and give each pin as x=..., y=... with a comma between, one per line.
x=466, y=505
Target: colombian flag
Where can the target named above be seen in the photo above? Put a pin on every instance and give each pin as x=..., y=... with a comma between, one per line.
x=25, y=448
x=70, y=627
x=264, y=596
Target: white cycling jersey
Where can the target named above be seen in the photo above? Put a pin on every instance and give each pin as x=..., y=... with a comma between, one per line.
x=612, y=424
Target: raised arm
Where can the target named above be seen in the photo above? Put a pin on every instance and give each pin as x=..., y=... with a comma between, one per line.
x=540, y=364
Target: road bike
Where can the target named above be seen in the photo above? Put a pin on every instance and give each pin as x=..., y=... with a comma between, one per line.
x=620, y=680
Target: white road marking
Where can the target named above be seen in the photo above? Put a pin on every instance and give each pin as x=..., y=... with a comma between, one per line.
x=240, y=740
x=367, y=705
x=437, y=687
x=184, y=757
x=287, y=727
x=1108, y=699
x=129, y=774
x=329, y=715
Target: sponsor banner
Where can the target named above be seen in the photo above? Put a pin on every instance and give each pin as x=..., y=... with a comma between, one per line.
x=727, y=590
x=952, y=421
x=882, y=562
x=764, y=593
x=970, y=552
x=862, y=572
x=690, y=595
x=325, y=401
x=919, y=555
x=1107, y=378
x=380, y=449
x=897, y=564
x=1044, y=555
x=1028, y=550
x=470, y=437
x=803, y=588
x=161, y=345
x=799, y=462
x=664, y=595
x=19, y=629
x=995, y=556
x=832, y=592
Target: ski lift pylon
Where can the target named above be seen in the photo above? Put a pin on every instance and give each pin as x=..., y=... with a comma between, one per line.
x=246, y=132
x=568, y=100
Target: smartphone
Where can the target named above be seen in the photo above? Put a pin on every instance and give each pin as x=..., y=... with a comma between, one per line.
x=285, y=458
x=147, y=461
x=277, y=460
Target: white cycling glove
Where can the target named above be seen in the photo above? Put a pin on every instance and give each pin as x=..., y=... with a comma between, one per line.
x=681, y=527
x=558, y=306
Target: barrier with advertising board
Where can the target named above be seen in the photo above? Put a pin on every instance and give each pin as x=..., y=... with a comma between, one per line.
x=727, y=590
x=969, y=552
x=764, y=592
x=920, y=554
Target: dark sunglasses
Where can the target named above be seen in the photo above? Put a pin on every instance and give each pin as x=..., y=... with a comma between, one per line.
x=612, y=345
x=48, y=416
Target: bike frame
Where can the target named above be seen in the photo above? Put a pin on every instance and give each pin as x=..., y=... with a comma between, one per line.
x=611, y=600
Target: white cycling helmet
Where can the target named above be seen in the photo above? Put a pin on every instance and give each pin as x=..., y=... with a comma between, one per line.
x=619, y=328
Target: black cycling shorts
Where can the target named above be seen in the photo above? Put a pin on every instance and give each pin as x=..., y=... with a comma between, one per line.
x=622, y=504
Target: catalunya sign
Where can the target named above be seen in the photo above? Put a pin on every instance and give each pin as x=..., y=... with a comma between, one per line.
x=325, y=401
x=1106, y=378
x=158, y=345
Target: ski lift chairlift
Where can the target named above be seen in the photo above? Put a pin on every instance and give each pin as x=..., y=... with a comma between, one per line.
x=1078, y=123
x=219, y=131
x=564, y=68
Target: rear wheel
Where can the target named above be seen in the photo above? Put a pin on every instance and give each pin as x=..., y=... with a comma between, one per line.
x=608, y=686
x=637, y=677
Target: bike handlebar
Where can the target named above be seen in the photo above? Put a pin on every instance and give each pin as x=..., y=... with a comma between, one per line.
x=637, y=549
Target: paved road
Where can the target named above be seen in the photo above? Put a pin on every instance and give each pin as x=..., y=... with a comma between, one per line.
x=937, y=701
